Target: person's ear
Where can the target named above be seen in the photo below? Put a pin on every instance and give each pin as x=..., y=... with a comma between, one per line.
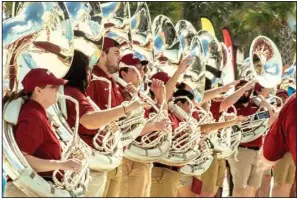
x=123, y=74
x=179, y=103
x=38, y=91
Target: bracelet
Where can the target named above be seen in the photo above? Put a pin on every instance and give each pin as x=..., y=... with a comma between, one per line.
x=124, y=110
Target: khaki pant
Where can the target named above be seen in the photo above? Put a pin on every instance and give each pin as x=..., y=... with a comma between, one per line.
x=247, y=170
x=214, y=176
x=185, y=180
x=136, y=179
x=164, y=182
x=97, y=184
x=284, y=170
x=12, y=191
x=113, y=183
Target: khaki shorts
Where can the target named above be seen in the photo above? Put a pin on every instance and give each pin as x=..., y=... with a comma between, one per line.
x=136, y=178
x=214, y=176
x=113, y=183
x=247, y=170
x=185, y=181
x=13, y=191
x=284, y=170
x=164, y=182
x=97, y=185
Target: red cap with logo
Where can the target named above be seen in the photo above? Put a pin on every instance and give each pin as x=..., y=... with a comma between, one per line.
x=129, y=59
x=108, y=43
x=162, y=76
x=40, y=77
x=258, y=87
x=282, y=92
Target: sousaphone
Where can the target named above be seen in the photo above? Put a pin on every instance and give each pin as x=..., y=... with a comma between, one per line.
x=40, y=35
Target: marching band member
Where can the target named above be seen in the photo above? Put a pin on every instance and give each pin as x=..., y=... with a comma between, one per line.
x=214, y=176
x=33, y=132
x=264, y=189
x=165, y=179
x=281, y=138
x=98, y=91
x=136, y=176
x=246, y=179
x=78, y=78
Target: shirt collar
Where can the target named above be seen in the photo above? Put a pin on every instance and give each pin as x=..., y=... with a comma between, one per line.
x=99, y=72
x=37, y=106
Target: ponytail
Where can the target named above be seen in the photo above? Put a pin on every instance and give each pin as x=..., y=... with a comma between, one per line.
x=10, y=96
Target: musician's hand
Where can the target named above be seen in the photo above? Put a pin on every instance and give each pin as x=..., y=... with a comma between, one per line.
x=229, y=86
x=230, y=116
x=185, y=64
x=163, y=125
x=250, y=85
x=133, y=105
x=157, y=87
x=71, y=164
x=131, y=89
x=241, y=119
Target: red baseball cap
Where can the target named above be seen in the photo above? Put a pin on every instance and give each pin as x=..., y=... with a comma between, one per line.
x=40, y=77
x=258, y=87
x=162, y=76
x=129, y=59
x=282, y=92
x=108, y=43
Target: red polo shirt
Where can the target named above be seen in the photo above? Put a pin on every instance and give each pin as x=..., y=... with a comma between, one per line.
x=250, y=109
x=34, y=134
x=281, y=137
x=175, y=121
x=215, y=109
x=98, y=90
x=195, y=115
x=84, y=107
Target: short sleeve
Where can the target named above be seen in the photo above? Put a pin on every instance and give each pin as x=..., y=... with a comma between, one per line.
x=84, y=105
x=98, y=94
x=215, y=109
x=29, y=135
x=274, y=147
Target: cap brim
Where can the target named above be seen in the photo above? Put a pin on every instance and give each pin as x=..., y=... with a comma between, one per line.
x=144, y=62
x=59, y=82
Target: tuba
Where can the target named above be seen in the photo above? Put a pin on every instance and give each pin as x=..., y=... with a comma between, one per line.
x=116, y=18
x=266, y=62
x=154, y=145
x=246, y=72
x=231, y=136
x=37, y=33
x=213, y=54
x=167, y=53
x=266, y=65
x=205, y=157
x=185, y=138
x=87, y=23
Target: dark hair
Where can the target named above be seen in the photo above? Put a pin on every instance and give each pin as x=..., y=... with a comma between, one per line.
x=123, y=69
x=107, y=49
x=207, y=84
x=181, y=86
x=10, y=96
x=180, y=93
x=77, y=74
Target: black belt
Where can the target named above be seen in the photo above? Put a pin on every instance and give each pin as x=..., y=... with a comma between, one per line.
x=50, y=179
x=166, y=166
x=251, y=148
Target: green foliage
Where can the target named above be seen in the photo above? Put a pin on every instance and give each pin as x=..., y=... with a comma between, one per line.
x=173, y=10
